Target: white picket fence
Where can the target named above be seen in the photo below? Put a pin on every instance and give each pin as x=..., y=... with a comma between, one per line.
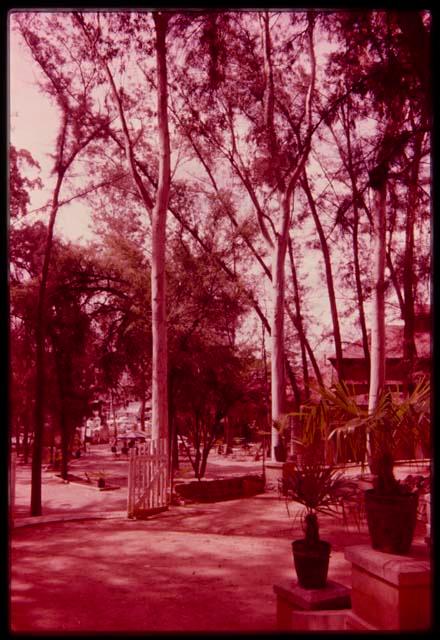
x=147, y=478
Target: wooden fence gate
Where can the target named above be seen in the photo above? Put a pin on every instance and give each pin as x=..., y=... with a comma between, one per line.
x=148, y=490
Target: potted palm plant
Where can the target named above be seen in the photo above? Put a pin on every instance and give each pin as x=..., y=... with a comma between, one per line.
x=320, y=489
x=390, y=505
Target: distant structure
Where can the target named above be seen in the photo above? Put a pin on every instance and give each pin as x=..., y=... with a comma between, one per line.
x=356, y=374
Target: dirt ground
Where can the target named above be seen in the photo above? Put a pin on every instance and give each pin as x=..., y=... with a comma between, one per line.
x=195, y=567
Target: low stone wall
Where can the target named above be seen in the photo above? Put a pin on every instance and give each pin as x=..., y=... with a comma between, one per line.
x=221, y=489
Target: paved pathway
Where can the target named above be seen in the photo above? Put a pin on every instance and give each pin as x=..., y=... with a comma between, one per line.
x=195, y=567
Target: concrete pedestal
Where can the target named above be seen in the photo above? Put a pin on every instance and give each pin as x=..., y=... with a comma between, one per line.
x=313, y=609
x=274, y=473
x=355, y=623
x=390, y=592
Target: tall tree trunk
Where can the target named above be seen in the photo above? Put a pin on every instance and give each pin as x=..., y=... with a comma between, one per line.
x=278, y=244
x=277, y=339
x=299, y=321
x=389, y=148
x=40, y=340
x=28, y=419
x=266, y=376
x=357, y=271
x=377, y=369
x=159, y=401
x=329, y=278
x=142, y=410
x=112, y=410
x=173, y=443
x=395, y=280
x=65, y=438
x=409, y=347
x=359, y=291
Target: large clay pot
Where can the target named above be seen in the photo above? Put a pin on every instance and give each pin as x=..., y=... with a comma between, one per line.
x=280, y=453
x=311, y=563
x=391, y=520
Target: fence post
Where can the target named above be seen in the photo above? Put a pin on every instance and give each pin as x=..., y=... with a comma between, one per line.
x=130, y=501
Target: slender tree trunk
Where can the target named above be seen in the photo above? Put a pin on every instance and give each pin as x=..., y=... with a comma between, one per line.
x=112, y=409
x=28, y=418
x=143, y=402
x=329, y=278
x=159, y=401
x=266, y=376
x=293, y=383
x=254, y=252
x=173, y=444
x=357, y=271
x=409, y=347
x=277, y=339
x=228, y=436
x=65, y=437
x=395, y=281
x=359, y=291
x=40, y=340
x=299, y=321
x=15, y=432
x=207, y=445
x=377, y=369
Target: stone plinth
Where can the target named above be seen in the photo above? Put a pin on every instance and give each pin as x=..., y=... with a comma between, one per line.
x=391, y=592
x=299, y=608
x=355, y=623
x=274, y=472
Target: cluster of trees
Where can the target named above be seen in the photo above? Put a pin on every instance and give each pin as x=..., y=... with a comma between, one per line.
x=229, y=153
x=98, y=335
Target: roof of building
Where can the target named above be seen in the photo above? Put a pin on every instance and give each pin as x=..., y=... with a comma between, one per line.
x=393, y=344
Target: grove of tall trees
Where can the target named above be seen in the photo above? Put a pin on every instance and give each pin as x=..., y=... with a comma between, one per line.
x=259, y=189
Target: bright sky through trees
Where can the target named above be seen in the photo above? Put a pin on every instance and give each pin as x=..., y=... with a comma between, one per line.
x=33, y=126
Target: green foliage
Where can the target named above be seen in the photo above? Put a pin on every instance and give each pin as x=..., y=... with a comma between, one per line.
x=320, y=489
x=394, y=421
x=20, y=184
x=218, y=93
x=317, y=487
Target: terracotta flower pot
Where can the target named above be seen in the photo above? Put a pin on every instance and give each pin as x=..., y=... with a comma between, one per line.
x=280, y=453
x=311, y=563
x=391, y=520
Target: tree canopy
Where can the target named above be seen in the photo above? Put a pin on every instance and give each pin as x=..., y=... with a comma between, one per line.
x=237, y=167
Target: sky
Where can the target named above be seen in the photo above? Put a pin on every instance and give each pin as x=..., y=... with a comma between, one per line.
x=34, y=123
x=34, y=126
